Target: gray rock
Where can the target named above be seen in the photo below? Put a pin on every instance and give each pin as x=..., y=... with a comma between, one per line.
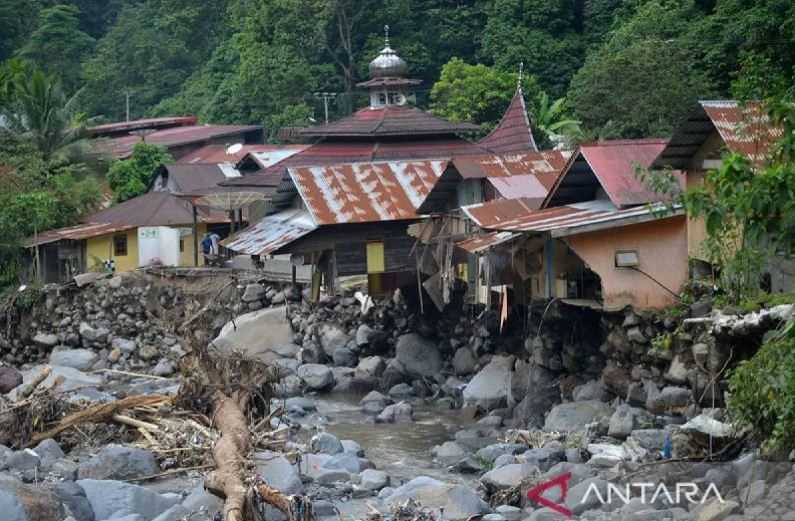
x=505, y=459
x=48, y=452
x=509, y=513
x=302, y=402
x=374, y=479
x=46, y=340
x=370, y=366
x=508, y=476
x=289, y=386
x=344, y=357
x=352, y=447
x=401, y=412
x=593, y=390
x=449, y=452
x=401, y=391
x=332, y=476
x=492, y=452
x=113, y=499
x=117, y=462
x=677, y=371
x=74, y=499
x=278, y=472
x=493, y=517
x=325, y=443
x=316, y=377
x=124, y=345
x=363, y=335
x=418, y=356
x=81, y=359
x=717, y=510
x=574, y=416
x=670, y=400
x=464, y=362
x=544, y=458
x=20, y=502
x=489, y=387
x=374, y=402
x=753, y=492
x=332, y=337
x=634, y=334
x=708, y=426
x=90, y=334
x=254, y=292
x=164, y=368
x=175, y=513
x=22, y=460
x=650, y=439
x=576, y=500
x=9, y=379
x=344, y=461
x=530, y=412
x=626, y=419
x=458, y=501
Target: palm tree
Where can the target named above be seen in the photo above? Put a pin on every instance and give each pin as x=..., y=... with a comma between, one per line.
x=552, y=122
x=37, y=109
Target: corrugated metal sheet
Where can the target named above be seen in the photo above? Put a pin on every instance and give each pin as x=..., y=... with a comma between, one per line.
x=614, y=163
x=76, y=233
x=513, y=134
x=389, y=121
x=264, y=155
x=566, y=220
x=486, y=241
x=545, y=166
x=121, y=147
x=493, y=213
x=744, y=129
x=139, y=124
x=366, y=192
x=519, y=186
x=271, y=233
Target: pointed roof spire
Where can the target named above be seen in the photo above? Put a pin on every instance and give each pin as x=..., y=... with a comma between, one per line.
x=513, y=134
x=386, y=36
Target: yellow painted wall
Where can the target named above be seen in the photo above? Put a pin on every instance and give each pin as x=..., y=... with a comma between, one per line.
x=375, y=257
x=102, y=248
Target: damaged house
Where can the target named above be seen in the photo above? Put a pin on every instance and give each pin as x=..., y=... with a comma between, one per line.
x=597, y=239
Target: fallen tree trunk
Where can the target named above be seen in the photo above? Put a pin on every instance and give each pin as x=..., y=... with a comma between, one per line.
x=230, y=453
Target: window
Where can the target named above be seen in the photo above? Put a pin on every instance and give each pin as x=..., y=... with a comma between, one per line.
x=181, y=245
x=120, y=245
x=381, y=99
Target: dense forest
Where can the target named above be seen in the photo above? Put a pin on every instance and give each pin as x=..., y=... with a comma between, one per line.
x=627, y=68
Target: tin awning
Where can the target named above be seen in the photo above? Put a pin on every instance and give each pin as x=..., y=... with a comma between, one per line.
x=271, y=233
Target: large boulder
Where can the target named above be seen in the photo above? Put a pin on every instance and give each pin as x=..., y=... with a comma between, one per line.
x=114, y=499
x=489, y=388
x=418, y=356
x=278, y=472
x=19, y=502
x=332, y=337
x=459, y=502
x=372, y=479
x=401, y=412
x=82, y=359
x=464, y=361
x=370, y=366
x=671, y=400
x=316, y=377
x=45, y=340
x=256, y=334
x=74, y=499
x=508, y=476
x=9, y=379
x=530, y=412
x=374, y=402
x=574, y=416
x=449, y=452
x=120, y=463
x=325, y=443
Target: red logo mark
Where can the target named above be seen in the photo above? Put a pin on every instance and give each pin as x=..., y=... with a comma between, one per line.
x=561, y=482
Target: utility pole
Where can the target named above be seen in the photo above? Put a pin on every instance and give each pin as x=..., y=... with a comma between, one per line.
x=325, y=96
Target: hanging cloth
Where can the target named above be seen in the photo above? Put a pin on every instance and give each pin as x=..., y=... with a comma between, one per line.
x=503, y=307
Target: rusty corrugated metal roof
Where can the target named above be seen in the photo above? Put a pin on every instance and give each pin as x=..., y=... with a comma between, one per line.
x=491, y=214
x=513, y=134
x=140, y=124
x=366, y=192
x=546, y=166
x=745, y=129
x=484, y=242
x=121, y=147
x=76, y=233
x=574, y=218
x=271, y=233
x=389, y=121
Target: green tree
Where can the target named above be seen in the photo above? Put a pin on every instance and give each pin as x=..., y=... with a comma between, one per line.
x=476, y=93
x=58, y=46
x=130, y=178
x=551, y=123
x=37, y=109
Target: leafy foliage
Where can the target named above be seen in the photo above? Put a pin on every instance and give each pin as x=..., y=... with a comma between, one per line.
x=552, y=124
x=130, y=178
x=762, y=392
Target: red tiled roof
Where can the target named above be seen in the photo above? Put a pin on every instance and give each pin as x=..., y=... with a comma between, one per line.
x=366, y=192
x=389, y=121
x=513, y=134
x=121, y=147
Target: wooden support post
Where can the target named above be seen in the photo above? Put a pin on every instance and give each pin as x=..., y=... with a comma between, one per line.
x=295, y=274
x=419, y=280
x=240, y=219
x=195, y=235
